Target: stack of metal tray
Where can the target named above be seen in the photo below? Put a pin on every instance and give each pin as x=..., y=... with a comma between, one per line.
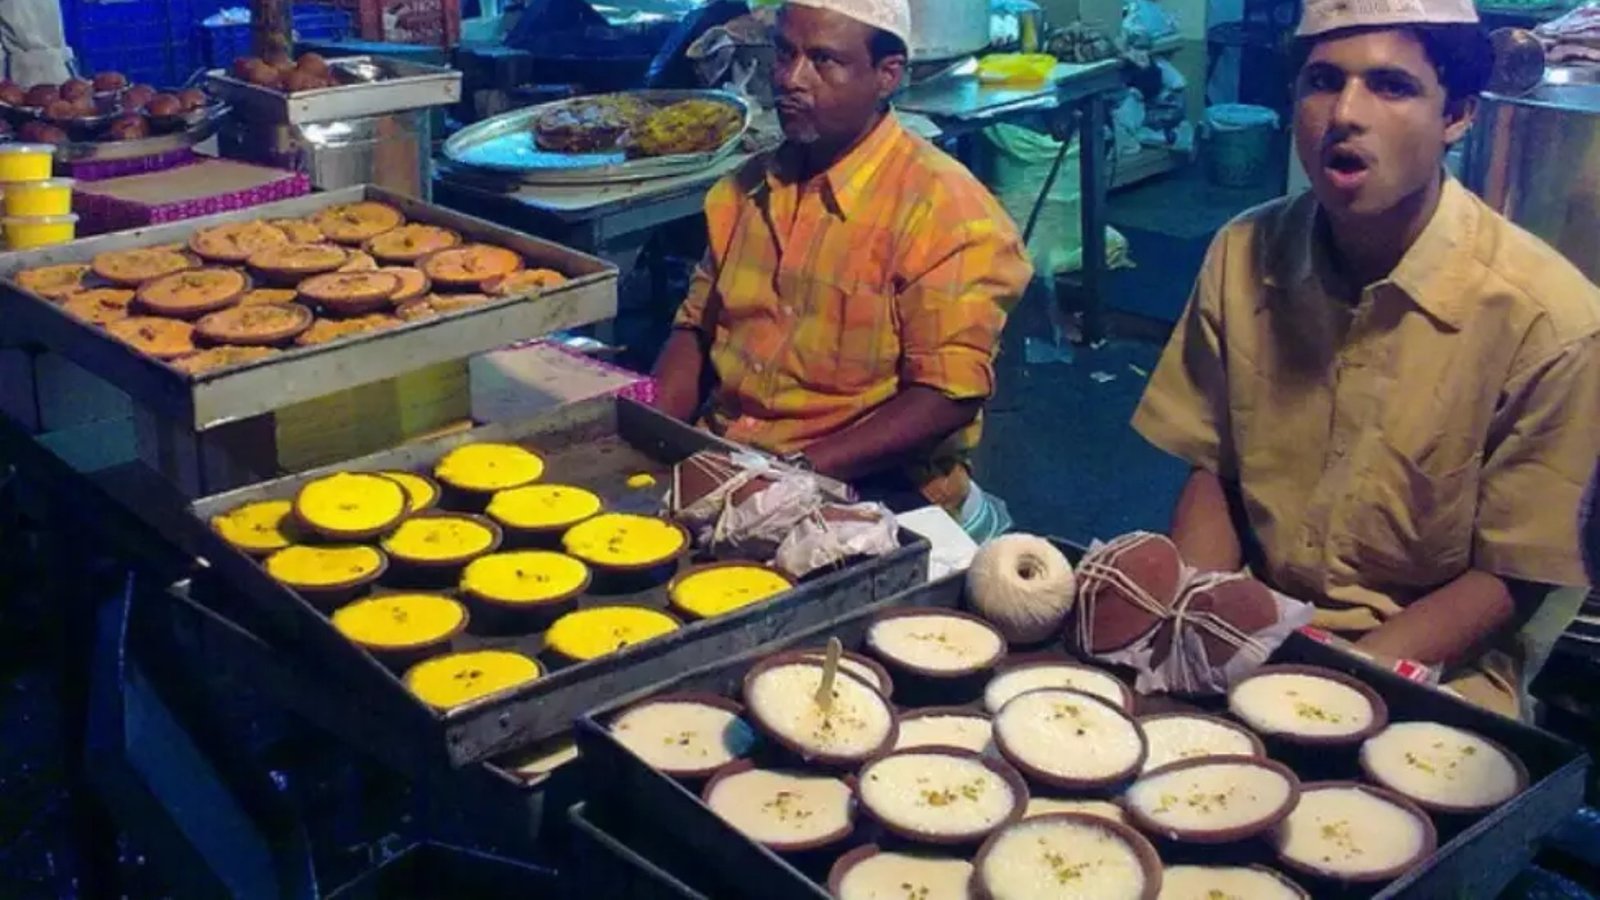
x=303, y=373
x=672, y=829
x=596, y=444
x=371, y=86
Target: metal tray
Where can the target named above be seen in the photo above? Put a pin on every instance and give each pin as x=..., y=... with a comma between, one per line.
x=155, y=145
x=596, y=444
x=303, y=373
x=1477, y=861
x=402, y=86
x=602, y=865
x=505, y=144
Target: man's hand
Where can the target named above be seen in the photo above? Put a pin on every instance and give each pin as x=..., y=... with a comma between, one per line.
x=680, y=375
x=1202, y=527
x=913, y=420
x=1452, y=623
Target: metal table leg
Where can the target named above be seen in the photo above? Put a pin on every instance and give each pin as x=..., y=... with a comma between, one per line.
x=1092, y=179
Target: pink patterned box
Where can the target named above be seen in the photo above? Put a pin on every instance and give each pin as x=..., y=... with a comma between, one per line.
x=198, y=189
x=100, y=170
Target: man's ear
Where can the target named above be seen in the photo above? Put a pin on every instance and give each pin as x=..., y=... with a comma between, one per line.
x=1460, y=115
x=891, y=71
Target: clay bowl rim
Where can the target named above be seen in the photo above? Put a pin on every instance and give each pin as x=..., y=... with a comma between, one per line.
x=690, y=572
x=286, y=278
x=526, y=606
x=1000, y=767
x=1061, y=782
x=495, y=537
x=686, y=544
x=960, y=712
x=1259, y=747
x=1430, y=842
x=229, y=260
x=1288, y=883
x=1040, y=658
x=885, y=680
x=1380, y=707
x=541, y=531
x=304, y=313
x=452, y=284
x=353, y=242
x=246, y=284
x=831, y=760
x=408, y=262
x=1232, y=835
x=946, y=675
x=399, y=649
x=254, y=553
x=740, y=766
x=1448, y=809
x=433, y=502
x=398, y=299
x=363, y=534
x=703, y=698
x=125, y=281
x=309, y=592
x=347, y=307
x=1149, y=860
x=540, y=670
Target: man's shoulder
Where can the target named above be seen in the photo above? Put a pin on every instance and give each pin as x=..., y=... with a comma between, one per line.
x=1536, y=277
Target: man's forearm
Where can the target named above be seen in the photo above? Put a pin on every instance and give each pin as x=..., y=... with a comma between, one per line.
x=1448, y=625
x=914, y=419
x=680, y=374
x=1202, y=527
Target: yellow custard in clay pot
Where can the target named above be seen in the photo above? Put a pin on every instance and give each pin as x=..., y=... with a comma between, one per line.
x=543, y=507
x=525, y=578
x=401, y=628
x=446, y=682
x=724, y=587
x=485, y=468
x=442, y=539
x=351, y=505
x=421, y=491
x=594, y=632
x=626, y=541
x=325, y=573
x=256, y=528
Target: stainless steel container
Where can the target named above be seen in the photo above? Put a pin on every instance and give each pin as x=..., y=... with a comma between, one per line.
x=948, y=29
x=1536, y=159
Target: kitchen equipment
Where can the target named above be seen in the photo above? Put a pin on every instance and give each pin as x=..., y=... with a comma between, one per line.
x=947, y=29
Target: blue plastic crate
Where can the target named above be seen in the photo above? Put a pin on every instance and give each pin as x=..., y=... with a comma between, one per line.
x=220, y=45
x=147, y=40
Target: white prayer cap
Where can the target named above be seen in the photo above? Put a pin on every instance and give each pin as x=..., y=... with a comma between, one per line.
x=1322, y=16
x=893, y=16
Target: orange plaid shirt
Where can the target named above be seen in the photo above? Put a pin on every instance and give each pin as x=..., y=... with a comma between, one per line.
x=896, y=267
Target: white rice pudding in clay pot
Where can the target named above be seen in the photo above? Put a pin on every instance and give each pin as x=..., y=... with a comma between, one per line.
x=1212, y=802
x=1066, y=857
x=1348, y=832
x=1301, y=705
x=683, y=736
x=1068, y=737
x=1173, y=738
x=1441, y=766
x=936, y=643
x=782, y=809
x=1225, y=883
x=967, y=731
x=937, y=795
x=855, y=725
x=906, y=876
x=1021, y=679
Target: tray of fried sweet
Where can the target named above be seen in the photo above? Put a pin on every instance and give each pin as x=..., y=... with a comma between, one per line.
x=106, y=117
x=967, y=740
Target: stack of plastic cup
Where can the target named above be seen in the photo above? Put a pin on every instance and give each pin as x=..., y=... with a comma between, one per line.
x=38, y=208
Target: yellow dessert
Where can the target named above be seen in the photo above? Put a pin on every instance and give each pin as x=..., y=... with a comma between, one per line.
x=441, y=538
x=525, y=577
x=445, y=682
x=543, y=507
x=715, y=590
x=324, y=567
x=489, y=467
x=351, y=504
x=625, y=541
x=590, y=633
x=641, y=481
x=421, y=493
x=256, y=528
x=400, y=621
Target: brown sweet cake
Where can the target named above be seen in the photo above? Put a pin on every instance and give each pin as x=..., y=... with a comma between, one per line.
x=288, y=263
x=54, y=282
x=324, y=331
x=299, y=231
x=355, y=223
x=1123, y=589
x=234, y=242
x=134, y=267
x=221, y=358
x=350, y=293
x=255, y=325
x=192, y=293
x=527, y=281
x=265, y=296
x=1223, y=612
x=439, y=305
x=159, y=338
x=413, y=283
x=469, y=265
x=97, y=306
x=409, y=243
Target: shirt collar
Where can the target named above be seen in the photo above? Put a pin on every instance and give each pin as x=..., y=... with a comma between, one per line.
x=1429, y=274
x=849, y=178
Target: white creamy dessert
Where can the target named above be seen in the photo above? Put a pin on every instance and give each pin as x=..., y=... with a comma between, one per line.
x=968, y=732
x=898, y=876
x=683, y=736
x=1440, y=765
x=1069, y=736
x=1225, y=883
x=1046, y=806
x=858, y=668
x=1294, y=703
x=1008, y=684
x=937, y=795
x=1064, y=858
x=937, y=643
x=1350, y=833
x=1225, y=800
x=782, y=809
x=1178, y=737
x=783, y=699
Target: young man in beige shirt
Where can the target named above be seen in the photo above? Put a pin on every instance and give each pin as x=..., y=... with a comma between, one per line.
x=1388, y=393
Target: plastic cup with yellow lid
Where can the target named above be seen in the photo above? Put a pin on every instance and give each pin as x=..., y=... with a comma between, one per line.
x=26, y=162
x=47, y=197
x=27, y=232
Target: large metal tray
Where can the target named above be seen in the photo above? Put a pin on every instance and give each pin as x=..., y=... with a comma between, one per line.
x=1478, y=861
x=505, y=144
x=193, y=133
x=403, y=86
x=214, y=398
x=596, y=444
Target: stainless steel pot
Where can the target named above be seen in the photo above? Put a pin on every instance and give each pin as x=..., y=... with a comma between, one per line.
x=1536, y=159
x=948, y=29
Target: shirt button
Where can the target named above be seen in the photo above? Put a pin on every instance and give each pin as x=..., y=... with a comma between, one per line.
x=758, y=368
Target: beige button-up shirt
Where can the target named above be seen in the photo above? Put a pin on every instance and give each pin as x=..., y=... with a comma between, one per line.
x=1447, y=421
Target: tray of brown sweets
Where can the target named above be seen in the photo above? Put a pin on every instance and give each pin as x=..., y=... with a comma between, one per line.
x=103, y=116
x=234, y=315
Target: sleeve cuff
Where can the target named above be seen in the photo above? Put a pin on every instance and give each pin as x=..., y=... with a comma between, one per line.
x=1536, y=563
x=958, y=374
x=1198, y=450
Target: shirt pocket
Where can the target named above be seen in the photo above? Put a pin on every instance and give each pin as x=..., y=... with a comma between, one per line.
x=842, y=336
x=1410, y=522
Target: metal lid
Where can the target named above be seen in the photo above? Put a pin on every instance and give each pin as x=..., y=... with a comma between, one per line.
x=28, y=148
